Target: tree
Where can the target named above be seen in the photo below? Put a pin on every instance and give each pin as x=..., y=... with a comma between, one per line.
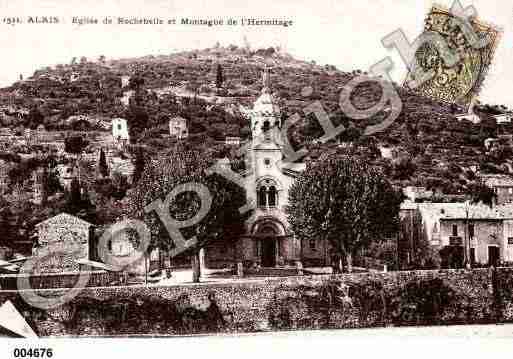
x=136, y=82
x=139, y=165
x=345, y=202
x=222, y=221
x=102, y=165
x=53, y=184
x=74, y=197
x=219, y=76
x=35, y=117
x=75, y=144
x=119, y=185
x=480, y=192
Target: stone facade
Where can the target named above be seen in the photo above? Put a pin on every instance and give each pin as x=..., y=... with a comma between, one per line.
x=502, y=186
x=61, y=241
x=306, y=302
x=268, y=241
x=485, y=233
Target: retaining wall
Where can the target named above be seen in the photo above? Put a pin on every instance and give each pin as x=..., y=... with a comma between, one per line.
x=307, y=302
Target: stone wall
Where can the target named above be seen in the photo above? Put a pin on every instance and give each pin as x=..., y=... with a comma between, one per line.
x=64, y=280
x=307, y=302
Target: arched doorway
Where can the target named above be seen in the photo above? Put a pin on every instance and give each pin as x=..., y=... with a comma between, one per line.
x=268, y=243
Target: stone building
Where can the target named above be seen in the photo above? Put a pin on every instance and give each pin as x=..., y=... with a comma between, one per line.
x=62, y=241
x=178, y=128
x=502, y=185
x=268, y=241
x=456, y=230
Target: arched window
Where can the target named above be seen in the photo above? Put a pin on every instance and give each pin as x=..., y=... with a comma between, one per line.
x=272, y=196
x=267, y=193
x=262, y=197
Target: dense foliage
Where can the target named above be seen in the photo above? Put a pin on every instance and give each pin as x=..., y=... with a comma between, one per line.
x=345, y=202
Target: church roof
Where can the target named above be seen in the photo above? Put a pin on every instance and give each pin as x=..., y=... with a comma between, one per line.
x=267, y=145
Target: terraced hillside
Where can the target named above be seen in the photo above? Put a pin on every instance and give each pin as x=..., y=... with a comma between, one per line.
x=427, y=145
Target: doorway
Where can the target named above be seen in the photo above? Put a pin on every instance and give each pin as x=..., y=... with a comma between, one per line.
x=268, y=252
x=493, y=256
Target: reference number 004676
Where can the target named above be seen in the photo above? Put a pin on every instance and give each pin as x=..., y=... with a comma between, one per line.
x=33, y=352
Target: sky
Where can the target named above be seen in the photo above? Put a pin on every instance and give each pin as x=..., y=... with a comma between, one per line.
x=344, y=33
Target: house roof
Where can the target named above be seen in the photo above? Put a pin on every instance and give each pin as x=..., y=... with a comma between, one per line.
x=178, y=119
x=448, y=211
x=63, y=217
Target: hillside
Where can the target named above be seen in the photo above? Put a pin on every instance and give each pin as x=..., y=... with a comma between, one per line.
x=428, y=145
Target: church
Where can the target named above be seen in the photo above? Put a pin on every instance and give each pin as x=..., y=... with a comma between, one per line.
x=268, y=241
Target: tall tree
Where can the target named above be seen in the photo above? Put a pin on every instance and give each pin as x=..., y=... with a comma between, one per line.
x=223, y=219
x=344, y=202
x=102, y=165
x=74, y=197
x=219, y=76
x=139, y=165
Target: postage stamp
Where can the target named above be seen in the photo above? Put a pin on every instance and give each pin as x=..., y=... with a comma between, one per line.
x=473, y=41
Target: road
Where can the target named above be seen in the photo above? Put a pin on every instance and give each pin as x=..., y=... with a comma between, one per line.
x=487, y=331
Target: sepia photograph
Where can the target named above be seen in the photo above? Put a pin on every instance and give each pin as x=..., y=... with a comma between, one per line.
x=269, y=171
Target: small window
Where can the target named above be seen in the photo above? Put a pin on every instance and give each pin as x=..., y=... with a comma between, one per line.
x=454, y=230
x=262, y=197
x=471, y=230
x=267, y=162
x=119, y=126
x=312, y=245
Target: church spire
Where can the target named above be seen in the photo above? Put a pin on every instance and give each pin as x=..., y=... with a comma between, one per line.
x=266, y=80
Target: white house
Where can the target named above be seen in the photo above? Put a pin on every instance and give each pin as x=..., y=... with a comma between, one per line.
x=127, y=95
x=120, y=129
x=178, y=127
x=487, y=232
x=232, y=140
x=503, y=118
x=125, y=80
